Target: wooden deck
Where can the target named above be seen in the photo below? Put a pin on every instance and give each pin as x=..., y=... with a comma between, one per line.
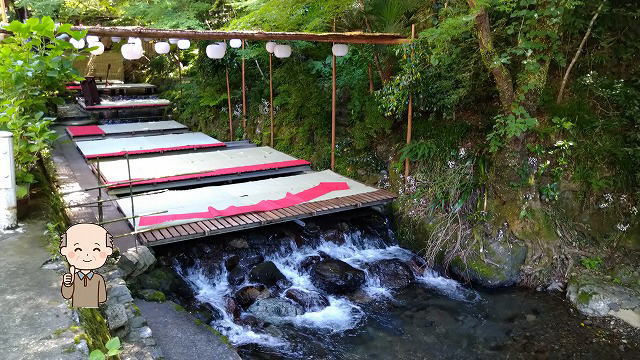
x=221, y=225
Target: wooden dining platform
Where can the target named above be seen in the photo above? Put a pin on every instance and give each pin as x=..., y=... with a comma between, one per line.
x=227, y=224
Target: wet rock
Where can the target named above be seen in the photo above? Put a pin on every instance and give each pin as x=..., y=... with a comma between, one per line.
x=594, y=296
x=238, y=243
x=247, y=295
x=152, y=295
x=250, y=320
x=360, y=297
x=334, y=235
x=275, y=310
x=336, y=277
x=417, y=264
x=308, y=262
x=309, y=300
x=236, y=276
x=266, y=273
x=231, y=262
x=283, y=284
x=497, y=264
x=250, y=260
x=232, y=307
x=207, y=313
x=555, y=286
x=392, y=273
x=162, y=279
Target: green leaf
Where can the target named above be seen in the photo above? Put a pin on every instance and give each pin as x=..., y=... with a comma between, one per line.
x=113, y=352
x=22, y=190
x=113, y=343
x=96, y=355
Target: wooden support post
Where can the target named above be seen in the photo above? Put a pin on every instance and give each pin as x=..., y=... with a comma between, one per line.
x=244, y=100
x=333, y=113
x=4, y=12
x=100, y=216
x=409, y=114
x=271, y=94
x=229, y=104
x=133, y=212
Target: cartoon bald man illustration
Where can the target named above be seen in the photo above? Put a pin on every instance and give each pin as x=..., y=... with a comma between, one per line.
x=86, y=247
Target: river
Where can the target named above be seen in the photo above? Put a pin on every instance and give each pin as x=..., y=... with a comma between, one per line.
x=391, y=314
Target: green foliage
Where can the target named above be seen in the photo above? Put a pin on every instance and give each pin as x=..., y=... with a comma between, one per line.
x=508, y=126
x=34, y=66
x=591, y=263
x=113, y=349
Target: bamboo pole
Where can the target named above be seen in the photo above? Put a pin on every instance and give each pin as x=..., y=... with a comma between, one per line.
x=229, y=105
x=244, y=99
x=133, y=212
x=409, y=114
x=271, y=94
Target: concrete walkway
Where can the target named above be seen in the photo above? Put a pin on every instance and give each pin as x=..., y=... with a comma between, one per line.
x=179, y=337
x=34, y=318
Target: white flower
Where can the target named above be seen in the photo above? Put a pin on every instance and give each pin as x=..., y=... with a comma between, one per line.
x=462, y=152
x=634, y=210
x=622, y=227
x=451, y=164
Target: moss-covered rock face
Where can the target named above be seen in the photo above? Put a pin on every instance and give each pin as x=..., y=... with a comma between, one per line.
x=96, y=329
x=595, y=296
x=496, y=259
x=160, y=279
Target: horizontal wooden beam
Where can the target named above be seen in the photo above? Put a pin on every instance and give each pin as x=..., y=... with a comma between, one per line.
x=347, y=38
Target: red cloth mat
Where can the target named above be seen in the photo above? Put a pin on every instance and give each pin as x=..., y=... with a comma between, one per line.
x=218, y=172
x=145, y=151
x=265, y=205
x=85, y=130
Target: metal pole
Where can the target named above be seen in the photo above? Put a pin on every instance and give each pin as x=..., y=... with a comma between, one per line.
x=409, y=113
x=133, y=212
x=333, y=114
x=271, y=93
x=8, y=201
x=229, y=104
x=244, y=100
x=100, y=219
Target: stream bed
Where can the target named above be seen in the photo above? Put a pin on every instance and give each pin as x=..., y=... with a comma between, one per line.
x=341, y=288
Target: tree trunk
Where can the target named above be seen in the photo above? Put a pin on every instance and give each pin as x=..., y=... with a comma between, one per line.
x=578, y=52
x=501, y=74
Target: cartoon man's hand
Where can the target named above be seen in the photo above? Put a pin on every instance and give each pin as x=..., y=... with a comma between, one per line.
x=67, y=279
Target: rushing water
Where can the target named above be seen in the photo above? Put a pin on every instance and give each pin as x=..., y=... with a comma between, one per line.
x=434, y=317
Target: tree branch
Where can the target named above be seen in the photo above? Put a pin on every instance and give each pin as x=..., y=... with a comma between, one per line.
x=578, y=52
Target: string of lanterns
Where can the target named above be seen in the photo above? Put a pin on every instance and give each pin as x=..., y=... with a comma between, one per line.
x=133, y=49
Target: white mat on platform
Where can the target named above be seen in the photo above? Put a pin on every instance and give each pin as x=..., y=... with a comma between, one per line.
x=115, y=170
x=92, y=148
x=223, y=196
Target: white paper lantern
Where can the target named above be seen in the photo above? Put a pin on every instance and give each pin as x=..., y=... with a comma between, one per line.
x=216, y=51
x=340, y=49
x=184, y=44
x=99, y=50
x=162, y=47
x=282, y=51
x=270, y=45
x=78, y=44
x=135, y=40
x=116, y=39
x=92, y=39
x=131, y=51
x=173, y=41
x=235, y=43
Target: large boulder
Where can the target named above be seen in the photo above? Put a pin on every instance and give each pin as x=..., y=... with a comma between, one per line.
x=266, y=273
x=392, y=273
x=275, y=310
x=309, y=300
x=595, y=296
x=162, y=279
x=336, y=277
x=236, y=275
x=497, y=263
